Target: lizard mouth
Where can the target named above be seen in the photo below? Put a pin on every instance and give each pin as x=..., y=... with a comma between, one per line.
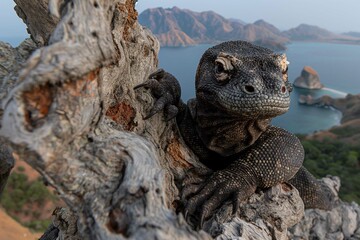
x=248, y=106
x=259, y=106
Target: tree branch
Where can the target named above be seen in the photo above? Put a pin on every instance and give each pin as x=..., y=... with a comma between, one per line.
x=73, y=115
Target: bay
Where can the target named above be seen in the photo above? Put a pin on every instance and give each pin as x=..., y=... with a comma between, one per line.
x=337, y=64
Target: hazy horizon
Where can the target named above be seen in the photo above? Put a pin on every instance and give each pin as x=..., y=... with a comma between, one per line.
x=328, y=14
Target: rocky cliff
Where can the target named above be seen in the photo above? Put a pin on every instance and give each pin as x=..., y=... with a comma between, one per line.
x=343, y=222
x=309, y=79
x=181, y=27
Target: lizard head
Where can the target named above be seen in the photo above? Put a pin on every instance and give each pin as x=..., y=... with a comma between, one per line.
x=244, y=80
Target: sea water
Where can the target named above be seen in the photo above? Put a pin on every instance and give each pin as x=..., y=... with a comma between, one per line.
x=338, y=66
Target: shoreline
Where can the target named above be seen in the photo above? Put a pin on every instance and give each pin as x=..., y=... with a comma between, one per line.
x=343, y=94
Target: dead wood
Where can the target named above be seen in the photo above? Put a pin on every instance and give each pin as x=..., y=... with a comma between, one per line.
x=73, y=115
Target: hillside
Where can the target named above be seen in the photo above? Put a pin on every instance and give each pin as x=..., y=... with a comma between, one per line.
x=181, y=27
x=352, y=34
x=27, y=200
x=305, y=32
x=308, y=32
x=12, y=230
x=176, y=27
x=334, y=156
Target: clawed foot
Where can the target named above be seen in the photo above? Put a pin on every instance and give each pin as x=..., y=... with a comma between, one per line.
x=201, y=200
x=166, y=90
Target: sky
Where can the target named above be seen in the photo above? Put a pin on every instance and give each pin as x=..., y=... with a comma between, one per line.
x=335, y=15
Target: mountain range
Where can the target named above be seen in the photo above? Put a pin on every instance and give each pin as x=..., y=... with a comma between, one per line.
x=182, y=27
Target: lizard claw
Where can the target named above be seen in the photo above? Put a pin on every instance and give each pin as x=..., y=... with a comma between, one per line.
x=158, y=106
x=158, y=74
x=150, y=83
x=186, y=214
x=170, y=112
x=166, y=90
x=236, y=204
x=217, y=190
x=145, y=84
x=201, y=224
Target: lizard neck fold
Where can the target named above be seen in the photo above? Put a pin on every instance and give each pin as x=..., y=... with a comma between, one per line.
x=223, y=133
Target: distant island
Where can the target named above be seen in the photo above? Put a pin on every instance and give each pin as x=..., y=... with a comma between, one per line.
x=175, y=27
x=308, y=79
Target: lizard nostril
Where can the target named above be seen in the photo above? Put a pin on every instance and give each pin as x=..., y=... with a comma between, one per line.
x=283, y=89
x=249, y=89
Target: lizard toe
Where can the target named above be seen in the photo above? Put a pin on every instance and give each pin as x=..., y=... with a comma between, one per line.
x=193, y=205
x=158, y=74
x=150, y=83
x=190, y=190
x=218, y=198
x=170, y=112
x=158, y=107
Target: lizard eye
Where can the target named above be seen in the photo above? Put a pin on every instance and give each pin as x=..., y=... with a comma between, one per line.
x=219, y=68
x=222, y=69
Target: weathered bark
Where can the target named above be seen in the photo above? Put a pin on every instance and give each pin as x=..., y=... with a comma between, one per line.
x=11, y=60
x=40, y=23
x=73, y=115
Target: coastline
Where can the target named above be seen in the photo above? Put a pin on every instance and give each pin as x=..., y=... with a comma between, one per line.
x=341, y=93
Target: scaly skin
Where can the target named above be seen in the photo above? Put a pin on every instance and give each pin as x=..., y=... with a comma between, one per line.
x=240, y=87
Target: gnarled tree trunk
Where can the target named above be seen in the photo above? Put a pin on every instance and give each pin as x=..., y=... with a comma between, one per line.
x=72, y=114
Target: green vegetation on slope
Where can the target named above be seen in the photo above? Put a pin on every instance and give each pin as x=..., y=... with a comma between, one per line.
x=345, y=131
x=331, y=157
x=26, y=198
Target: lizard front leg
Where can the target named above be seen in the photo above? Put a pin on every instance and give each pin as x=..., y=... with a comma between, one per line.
x=166, y=90
x=314, y=193
x=274, y=158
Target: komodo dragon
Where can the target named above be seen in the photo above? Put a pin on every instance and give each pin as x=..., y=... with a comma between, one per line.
x=240, y=87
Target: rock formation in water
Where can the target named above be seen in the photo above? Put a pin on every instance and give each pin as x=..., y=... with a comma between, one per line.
x=309, y=79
